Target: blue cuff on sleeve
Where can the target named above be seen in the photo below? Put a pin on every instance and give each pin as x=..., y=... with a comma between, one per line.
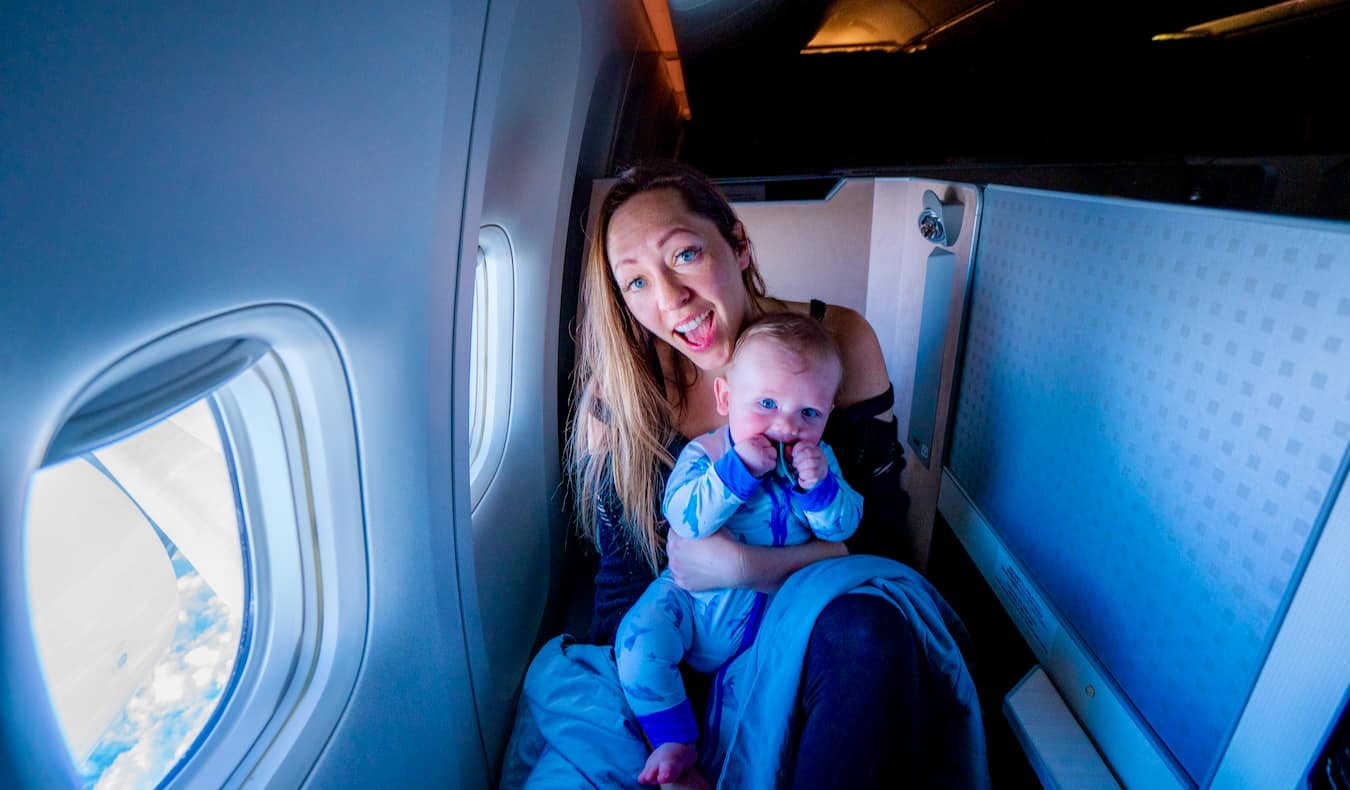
x=819, y=497
x=735, y=475
x=673, y=725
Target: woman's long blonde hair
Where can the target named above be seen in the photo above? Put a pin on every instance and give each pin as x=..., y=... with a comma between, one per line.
x=622, y=420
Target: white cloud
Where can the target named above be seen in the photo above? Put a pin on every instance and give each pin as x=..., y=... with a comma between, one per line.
x=164, y=717
x=167, y=686
x=201, y=657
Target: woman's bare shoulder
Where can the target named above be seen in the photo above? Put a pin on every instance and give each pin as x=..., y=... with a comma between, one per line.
x=864, y=363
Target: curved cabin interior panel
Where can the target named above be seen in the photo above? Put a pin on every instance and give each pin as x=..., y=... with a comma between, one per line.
x=288, y=309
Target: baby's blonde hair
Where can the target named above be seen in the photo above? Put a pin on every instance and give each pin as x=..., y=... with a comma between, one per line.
x=794, y=332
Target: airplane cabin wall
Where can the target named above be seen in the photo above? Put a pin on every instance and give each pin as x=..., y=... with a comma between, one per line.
x=814, y=249
x=918, y=323
x=163, y=166
x=567, y=71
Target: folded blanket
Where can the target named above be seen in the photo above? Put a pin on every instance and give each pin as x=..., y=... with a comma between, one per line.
x=574, y=729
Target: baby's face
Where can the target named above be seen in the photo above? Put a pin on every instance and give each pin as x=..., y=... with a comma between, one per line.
x=781, y=394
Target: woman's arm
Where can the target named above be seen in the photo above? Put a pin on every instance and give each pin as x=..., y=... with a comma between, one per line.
x=864, y=363
x=719, y=561
x=863, y=434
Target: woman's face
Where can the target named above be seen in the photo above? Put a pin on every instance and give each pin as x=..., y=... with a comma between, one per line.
x=679, y=277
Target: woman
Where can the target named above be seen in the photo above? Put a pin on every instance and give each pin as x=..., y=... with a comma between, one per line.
x=669, y=282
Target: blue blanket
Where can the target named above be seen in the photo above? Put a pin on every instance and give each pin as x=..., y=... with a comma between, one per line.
x=573, y=728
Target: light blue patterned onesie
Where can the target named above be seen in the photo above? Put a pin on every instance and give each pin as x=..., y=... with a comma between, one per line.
x=711, y=488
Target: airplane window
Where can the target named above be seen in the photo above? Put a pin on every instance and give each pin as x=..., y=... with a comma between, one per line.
x=477, y=371
x=490, y=357
x=136, y=586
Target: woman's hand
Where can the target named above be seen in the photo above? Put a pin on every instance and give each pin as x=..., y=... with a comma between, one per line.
x=710, y=563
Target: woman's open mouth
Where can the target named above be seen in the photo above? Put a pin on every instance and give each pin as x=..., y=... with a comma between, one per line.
x=698, y=332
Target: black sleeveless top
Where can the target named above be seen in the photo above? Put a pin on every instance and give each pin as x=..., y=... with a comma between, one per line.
x=870, y=456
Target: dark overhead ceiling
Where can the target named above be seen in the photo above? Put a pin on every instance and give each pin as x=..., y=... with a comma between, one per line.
x=1019, y=81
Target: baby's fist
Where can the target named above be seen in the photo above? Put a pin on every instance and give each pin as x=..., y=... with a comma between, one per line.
x=809, y=460
x=758, y=453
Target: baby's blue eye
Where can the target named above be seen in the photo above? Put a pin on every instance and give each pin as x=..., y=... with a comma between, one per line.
x=686, y=255
x=810, y=413
x=767, y=403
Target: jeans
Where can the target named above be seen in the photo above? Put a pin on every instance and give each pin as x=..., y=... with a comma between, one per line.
x=861, y=705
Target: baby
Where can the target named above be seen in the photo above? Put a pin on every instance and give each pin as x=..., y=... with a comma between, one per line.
x=765, y=477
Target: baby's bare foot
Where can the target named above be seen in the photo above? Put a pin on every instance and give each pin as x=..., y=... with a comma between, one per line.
x=667, y=763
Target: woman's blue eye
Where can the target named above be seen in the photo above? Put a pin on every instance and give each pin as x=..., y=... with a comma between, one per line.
x=767, y=403
x=686, y=255
x=636, y=284
x=810, y=413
